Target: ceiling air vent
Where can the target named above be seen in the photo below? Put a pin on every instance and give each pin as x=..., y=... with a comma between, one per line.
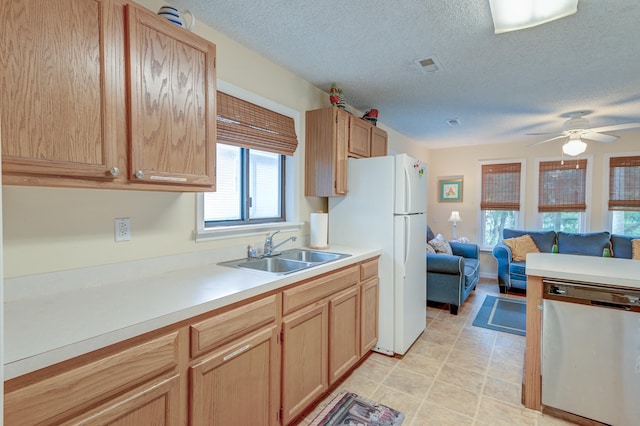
x=428, y=65
x=454, y=122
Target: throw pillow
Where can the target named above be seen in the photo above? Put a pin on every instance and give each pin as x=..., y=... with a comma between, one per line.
x=440, y=245
x=430, y=249
x=520, y=246
x=635, y=249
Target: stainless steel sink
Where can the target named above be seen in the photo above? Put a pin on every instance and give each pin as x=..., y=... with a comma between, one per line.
x=286, y=262
x=312, y=256
x=274, y=264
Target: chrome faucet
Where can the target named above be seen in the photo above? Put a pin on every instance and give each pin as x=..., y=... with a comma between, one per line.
x=269, y=247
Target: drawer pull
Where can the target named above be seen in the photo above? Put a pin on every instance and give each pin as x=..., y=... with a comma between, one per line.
x=168, y=178
x=236, y=352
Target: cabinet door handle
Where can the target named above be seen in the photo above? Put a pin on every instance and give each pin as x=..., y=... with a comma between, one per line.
x=168, y=178
x=114, y=171
x=237, y=352
x=139, y=174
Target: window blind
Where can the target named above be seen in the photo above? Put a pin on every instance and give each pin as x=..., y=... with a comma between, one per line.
x=241, y=123
x=501, y=186
x=624, y=183
x=562, y=187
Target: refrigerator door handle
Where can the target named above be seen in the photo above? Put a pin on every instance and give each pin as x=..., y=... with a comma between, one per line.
x=407, y=236
x=407, y=191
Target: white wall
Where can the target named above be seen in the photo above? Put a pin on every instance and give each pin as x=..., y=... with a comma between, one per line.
x=51, y=229
x=465, y=161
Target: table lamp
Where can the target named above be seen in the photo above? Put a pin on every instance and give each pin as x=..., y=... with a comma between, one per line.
x=455, y=217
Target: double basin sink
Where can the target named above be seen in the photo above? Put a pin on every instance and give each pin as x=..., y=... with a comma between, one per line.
x=287, y=261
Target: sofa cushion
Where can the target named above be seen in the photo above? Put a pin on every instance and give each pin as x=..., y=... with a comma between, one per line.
x=544, y=239
x=430, y=249
x=635, y=249
x=440, y=245
x=430, y=234
x=521, y=246
x=591, y=244
x=471, y=271
x=621, y=246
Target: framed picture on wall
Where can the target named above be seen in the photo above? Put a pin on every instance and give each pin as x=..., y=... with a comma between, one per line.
x=450, y=189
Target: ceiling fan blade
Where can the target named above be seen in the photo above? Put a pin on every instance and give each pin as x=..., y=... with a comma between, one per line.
x=623, y=126
x=548, y=140
x=600, y=137
x=542, y=134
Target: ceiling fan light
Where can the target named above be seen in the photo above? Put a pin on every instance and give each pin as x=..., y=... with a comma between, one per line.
x=574, y=147
x=512, y=15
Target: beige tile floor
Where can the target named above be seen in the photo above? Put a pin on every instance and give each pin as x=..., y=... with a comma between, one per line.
x=454, y=374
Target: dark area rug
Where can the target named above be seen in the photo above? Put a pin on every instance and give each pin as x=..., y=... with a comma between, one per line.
x=348, y=408
x=502, y=314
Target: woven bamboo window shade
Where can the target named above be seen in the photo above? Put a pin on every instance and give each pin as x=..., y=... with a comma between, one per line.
x=562, y=187
x=247, y=125
x=624, y=183
x=501, y=186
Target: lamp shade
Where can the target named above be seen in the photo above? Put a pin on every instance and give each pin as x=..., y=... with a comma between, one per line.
x=512, y=15
x=574, y=147
x=455, y=217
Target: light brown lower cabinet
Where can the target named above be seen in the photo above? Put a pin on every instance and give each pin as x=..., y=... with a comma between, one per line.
x=304, y=359
x=344, y=332
x=259, y=362
x=155, y=404
x=369, y=315
x=239, y=383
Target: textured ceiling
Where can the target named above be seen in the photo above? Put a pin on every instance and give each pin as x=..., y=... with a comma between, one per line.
x=500, y=87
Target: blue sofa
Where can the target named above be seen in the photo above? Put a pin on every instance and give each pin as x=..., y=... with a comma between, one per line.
x=512, y=274
x=451, y=278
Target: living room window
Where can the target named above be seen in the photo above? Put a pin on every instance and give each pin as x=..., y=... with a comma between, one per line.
x=256, y=143
x=501, y=199
x=624, y=195
x=562, y=195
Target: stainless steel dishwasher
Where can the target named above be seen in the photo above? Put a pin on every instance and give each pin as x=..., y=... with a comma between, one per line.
x=591, y=351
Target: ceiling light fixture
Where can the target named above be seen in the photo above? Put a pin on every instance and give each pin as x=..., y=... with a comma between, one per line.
x=512, y=15
x=574, y=146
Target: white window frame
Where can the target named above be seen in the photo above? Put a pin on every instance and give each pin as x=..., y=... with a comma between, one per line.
x=520, y=215
x=585, y=218
x=292, y=180
x=608, y=217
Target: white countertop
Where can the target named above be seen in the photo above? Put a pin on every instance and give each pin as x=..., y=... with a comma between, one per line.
x=42, y=330
x=591, y=269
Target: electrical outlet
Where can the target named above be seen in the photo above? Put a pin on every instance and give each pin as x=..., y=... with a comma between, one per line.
x=123, y=229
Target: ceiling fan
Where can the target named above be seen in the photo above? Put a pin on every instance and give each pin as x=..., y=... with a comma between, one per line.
x=577, y=128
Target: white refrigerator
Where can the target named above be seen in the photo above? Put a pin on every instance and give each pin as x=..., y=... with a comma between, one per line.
x=385, y=207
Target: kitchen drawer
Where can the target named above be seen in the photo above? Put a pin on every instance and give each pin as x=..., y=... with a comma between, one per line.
x=368, y=269
x=230, y=325
x=319, y=288
x=74, y=391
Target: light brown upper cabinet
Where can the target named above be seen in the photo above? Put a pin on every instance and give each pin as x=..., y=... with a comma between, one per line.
x=104, y=94
x=173, y=100
x=333, y=135
x=58, y=89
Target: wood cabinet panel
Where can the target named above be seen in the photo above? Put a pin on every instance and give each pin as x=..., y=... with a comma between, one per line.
x=319, y=288
x=155, y=404
x=369, y=269
x=344, y=332
x=172, y=78
x=230, y=325
x=239, y=384
x=304, y=359
x=359, y=137
x=332, y=135
x=91, y=383
x=369, y=294
x=57, y=88
x=378, y=142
